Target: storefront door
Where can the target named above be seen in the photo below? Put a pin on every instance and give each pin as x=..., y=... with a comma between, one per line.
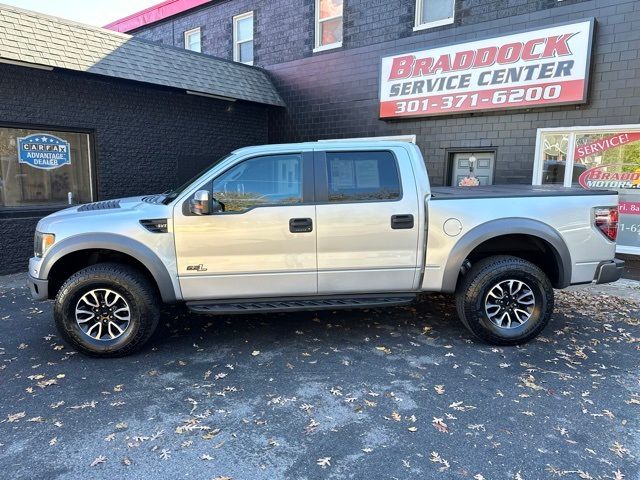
x=468, y=164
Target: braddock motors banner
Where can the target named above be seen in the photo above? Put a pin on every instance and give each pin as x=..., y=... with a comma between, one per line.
x=612, y=161
x=537, y=68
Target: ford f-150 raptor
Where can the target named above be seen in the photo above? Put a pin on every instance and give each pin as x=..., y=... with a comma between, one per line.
x=320, y=226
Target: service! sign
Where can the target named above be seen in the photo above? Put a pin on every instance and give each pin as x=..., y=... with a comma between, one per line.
x=538, y=68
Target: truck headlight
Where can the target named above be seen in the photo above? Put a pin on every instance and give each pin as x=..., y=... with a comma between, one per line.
x=42, y=242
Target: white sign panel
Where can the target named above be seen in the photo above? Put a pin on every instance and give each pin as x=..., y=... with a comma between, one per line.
x=530, y=69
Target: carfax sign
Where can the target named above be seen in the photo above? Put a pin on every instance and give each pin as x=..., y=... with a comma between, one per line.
x=44, y=151
x=536, y=68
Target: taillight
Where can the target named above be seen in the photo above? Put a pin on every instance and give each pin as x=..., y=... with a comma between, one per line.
x=606, y=219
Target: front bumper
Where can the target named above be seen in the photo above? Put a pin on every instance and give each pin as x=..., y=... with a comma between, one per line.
x=609, y=271
x=39, y=288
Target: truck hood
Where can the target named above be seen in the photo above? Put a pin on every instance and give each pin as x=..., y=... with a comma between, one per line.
x=103, y=214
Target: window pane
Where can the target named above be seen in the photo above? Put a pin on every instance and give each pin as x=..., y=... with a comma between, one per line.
x=358, y=176
x=273, y=180
x=330, y=8
x=193, y=41
x=331, y=31
x=434, y=10
x=37, y=181
x=244, y=29
x=554, y=157
x=246, y=52
x=612, y=152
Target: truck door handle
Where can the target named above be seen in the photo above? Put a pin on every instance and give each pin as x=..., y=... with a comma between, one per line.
x=402, y=222
x=300, y=225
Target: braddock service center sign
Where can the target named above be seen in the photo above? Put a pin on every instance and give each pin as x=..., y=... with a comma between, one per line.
x=537, y=68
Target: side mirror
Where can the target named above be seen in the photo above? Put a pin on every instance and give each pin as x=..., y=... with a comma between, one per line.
x=200, y=204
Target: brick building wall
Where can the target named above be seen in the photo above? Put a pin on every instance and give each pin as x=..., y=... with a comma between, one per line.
x=284, y=29
x=334, y=94
x=147, y=139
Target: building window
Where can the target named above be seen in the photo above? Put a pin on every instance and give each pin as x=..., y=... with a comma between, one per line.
x=433, y=13
x=193, y=40
x=243, y=38
x=328, y=24
x=362, y=176
x=44, y=168
x=603, y=157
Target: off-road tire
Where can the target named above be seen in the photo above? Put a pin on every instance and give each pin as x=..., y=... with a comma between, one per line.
x=475, y=285
x=132, y=285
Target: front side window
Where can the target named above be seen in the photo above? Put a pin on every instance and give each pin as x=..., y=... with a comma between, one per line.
x=259, y=182
x=328, y=23
x=362, y=176
x=432, y=13
x=44, y=168
x=193, y=40
x=243, y=38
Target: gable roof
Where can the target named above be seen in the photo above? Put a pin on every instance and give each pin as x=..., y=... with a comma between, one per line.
x=38, y=39
x=154, y=14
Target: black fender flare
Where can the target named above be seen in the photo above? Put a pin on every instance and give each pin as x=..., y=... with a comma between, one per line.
x=501, y=227
x=116, y=243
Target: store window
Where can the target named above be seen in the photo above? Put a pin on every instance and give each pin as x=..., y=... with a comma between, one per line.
x=597, y=158
x=243, y=38
x=328, y=24
x=362, y=176
x=44, y=168
x=433, y=13
x=554, y=157
x=193, y=40
x=260, y=182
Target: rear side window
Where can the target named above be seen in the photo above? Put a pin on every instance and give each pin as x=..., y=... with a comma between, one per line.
x=362, y=176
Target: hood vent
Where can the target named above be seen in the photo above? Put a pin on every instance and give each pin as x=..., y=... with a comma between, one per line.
x=153, y=198
x=106, y=205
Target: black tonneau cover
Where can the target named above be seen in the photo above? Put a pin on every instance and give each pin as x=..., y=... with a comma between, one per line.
x=507, y=191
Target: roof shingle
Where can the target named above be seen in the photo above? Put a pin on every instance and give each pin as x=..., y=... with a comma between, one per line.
x=55, y=42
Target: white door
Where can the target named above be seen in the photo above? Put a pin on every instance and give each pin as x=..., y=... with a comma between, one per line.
x=367, y=221
x=263, y=244
x=479, y=164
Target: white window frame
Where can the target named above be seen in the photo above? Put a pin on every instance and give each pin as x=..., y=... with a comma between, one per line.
x=538, y=167
x=318, y=32
x=188, y=34
x=236, y=42
x=438, y=23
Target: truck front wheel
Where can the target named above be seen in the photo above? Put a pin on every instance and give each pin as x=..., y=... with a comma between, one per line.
x=107, y=310
x=505, y=300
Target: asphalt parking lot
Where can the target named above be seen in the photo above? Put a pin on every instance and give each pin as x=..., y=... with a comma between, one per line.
x=396, y=393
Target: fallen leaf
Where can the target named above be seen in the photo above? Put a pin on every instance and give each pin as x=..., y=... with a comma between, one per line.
x=98, y=460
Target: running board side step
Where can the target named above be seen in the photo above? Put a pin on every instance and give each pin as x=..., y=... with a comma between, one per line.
x=259, y=305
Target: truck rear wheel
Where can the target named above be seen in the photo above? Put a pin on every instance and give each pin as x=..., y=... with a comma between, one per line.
x=505, y=300
x=107, y=310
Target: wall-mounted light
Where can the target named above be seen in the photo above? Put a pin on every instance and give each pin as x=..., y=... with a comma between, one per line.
x=472, y=163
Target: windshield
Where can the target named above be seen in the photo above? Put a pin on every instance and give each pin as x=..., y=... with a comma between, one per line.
x=171, y=195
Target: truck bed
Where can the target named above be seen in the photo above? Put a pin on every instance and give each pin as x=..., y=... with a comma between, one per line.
x=511, y=191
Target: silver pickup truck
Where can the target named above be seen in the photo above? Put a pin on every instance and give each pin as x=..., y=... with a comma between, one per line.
x=320, y=226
